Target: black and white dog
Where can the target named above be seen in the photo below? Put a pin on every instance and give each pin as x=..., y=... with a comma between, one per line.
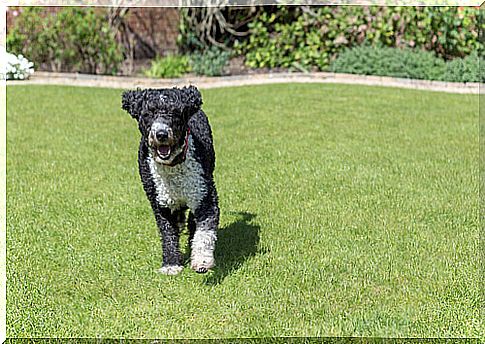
x=176, y=162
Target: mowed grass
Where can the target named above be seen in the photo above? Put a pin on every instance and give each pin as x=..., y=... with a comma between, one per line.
x=345, y=211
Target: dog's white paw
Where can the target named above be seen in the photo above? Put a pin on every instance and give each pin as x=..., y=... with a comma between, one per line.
x=202, y=264
x=170, y=269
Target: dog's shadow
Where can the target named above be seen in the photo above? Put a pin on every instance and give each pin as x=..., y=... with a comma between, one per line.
x=236, y=243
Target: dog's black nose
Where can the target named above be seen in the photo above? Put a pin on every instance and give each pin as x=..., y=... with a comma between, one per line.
x=162, y=134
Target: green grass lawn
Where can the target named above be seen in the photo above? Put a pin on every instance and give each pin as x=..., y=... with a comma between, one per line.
x=345, y=211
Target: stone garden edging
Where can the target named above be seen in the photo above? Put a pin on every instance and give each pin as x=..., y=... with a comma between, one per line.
x=125, y=82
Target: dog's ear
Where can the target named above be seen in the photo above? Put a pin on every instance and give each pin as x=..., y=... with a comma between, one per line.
x=193, y=99
x=132, y=102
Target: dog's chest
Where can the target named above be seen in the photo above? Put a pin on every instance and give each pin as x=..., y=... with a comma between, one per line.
x=180, y=185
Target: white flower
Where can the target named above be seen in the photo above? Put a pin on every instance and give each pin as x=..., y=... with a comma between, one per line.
x=14, y=67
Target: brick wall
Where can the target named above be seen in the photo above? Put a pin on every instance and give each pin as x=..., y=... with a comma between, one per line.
x=158, y=27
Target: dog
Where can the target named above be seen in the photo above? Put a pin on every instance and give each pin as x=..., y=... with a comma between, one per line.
x=176, y=161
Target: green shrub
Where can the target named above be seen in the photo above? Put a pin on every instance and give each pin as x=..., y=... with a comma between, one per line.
x=401, y=63
x=469, y=69
x=314, y=36
x=210, y=62
x=72, y=40
x=407, y=63
x=29, y=38
x=172, y=66
x=279, y=40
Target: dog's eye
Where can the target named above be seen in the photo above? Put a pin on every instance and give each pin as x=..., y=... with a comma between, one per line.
x=146, y=117
x=147, y=113
x=151, y=107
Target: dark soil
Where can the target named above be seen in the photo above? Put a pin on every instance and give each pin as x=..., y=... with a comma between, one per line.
x=236, y=66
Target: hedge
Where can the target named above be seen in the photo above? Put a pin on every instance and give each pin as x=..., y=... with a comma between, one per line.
x=73, y=40
x=314, y=36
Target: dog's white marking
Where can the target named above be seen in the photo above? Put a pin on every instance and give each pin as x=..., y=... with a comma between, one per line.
x=203, y=244
x=170, y=269
x=156, y=126
x=180, y=185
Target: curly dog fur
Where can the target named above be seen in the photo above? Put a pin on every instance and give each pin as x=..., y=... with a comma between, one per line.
x=176, y=163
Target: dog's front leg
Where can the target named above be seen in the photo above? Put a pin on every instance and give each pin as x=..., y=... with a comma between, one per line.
x=204, y=238
x=169, y=234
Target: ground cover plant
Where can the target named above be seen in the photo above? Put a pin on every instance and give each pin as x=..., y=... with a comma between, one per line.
x=210, y=62
x=408, y=63
x=345, y=210
x=401, y=63
x=171, y=66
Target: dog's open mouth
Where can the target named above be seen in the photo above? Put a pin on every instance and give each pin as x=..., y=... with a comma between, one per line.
x=163, y=151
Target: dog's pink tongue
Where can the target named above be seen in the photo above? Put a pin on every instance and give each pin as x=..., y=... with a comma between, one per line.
x=164, y=150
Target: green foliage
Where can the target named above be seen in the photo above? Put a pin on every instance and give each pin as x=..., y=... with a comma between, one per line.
x=314, y=36
x=188, y=39
x=203, y=27
x=75, y=39
x=28, y=37
x=469, y=69
x=210, y=62
x=274, y=43
x=401, y=63
x=171, y=66
x=406, y=63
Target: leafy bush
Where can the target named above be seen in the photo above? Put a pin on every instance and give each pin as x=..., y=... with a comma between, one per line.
x=210, y=62
x=72, y=40
x=469, y=69
x=16, y=67
x=314, y=36
x=406, y=63
x=401, y=63
x=172, y=66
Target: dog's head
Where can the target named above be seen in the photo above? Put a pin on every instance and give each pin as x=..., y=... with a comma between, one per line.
x=163, y=116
